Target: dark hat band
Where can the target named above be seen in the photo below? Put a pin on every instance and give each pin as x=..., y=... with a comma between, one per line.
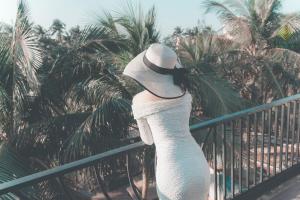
x=156, y=68
x=179, y=74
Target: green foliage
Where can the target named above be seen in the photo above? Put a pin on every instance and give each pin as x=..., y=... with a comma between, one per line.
x=211, y=92
x=65, y=92
x=4, y=98
x=254, y=26
x=26, y=53
x=13, y=167
x=69, y=92
x=139, y=27
x=136, y=28
x=215, y=95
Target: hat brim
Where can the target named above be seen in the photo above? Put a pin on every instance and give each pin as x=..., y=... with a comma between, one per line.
x=160, y=85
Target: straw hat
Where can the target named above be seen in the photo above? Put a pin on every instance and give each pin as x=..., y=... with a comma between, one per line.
x=157, y=69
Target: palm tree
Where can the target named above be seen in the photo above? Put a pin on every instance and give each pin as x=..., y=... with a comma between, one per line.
x=140, y=28
x=57, y=28
x=75, y=109
x=214, y=96
x=79, y=106
x=40, y=31
x=254, y=26
x=177, y=34
x=137, y=28
x=20, y=59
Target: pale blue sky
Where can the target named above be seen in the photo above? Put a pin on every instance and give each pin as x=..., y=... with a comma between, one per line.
x=171, y=13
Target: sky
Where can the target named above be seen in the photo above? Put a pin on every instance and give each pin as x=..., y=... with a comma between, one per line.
x=170, y=13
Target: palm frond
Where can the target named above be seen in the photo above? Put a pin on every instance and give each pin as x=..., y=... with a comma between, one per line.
x=45, y=137
x=238, y=6
x=13, y=167
x=150, y=25
x=268, y=68
x=280, y=54
x=5, y=61
x=109, y=120
x=101, y=131
x=96, y=91
x=92, y=41
x=98, y=38
x=4, y=109
x=215, y=95
x=27, y=55
x=224, y=13
x=4, y=83
x=268, y=11
x=108, y=21
x=140, y=28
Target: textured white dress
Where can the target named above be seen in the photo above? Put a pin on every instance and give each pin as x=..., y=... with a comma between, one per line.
x=182, y=171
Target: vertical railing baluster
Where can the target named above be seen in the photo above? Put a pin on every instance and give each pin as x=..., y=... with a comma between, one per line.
x=293, y=130
x=269, y=140
x=280, y=122
x=215, y=164
x=232, y=157
x=101, y=182
x=298, y=133
x=136, y=192
x=255, y=148
x=224, y=160
x=281, y=136
x=65, y=189
x=275, y=138
x=20, y=196
x=248, y=151
x=241, y=156
x=262, y=146
x=287, y=136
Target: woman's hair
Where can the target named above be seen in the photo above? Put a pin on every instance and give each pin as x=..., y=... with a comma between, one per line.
x=180, y=77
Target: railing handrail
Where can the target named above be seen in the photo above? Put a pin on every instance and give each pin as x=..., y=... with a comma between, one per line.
x=245, y=112
x=64, y=169
x=92, y=160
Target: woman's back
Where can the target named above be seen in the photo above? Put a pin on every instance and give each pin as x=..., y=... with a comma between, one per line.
x=182, y=170
x=168, y=118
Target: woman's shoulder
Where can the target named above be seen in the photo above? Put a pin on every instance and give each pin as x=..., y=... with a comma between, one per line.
x=143, y=105
x=144, y=97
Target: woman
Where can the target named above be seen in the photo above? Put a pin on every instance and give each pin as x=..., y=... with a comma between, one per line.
x=162, y=113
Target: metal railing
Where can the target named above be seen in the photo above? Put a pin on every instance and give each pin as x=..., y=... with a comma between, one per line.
x=249, y=152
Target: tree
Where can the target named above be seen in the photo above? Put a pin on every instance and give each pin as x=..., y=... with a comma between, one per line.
x=137, y=29
x=254, y=26
x=58, y=28
x=67, y=104
x=214, y=96
x=21, y=58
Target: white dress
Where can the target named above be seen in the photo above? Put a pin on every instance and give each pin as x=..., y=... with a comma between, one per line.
x=182, y=171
